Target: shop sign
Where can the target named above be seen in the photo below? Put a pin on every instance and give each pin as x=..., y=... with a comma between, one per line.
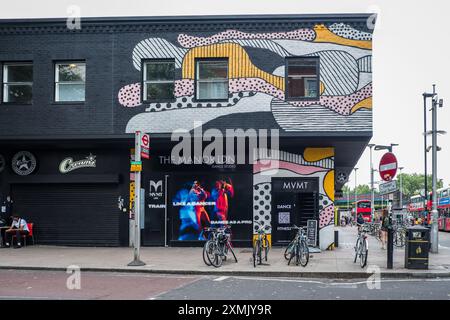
x=68, y=165
x=294, y=185
x=24, y=163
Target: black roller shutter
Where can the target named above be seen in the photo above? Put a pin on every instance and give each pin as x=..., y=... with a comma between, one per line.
x=70, y=214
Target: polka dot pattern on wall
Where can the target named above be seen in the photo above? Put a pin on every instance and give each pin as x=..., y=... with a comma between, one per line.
x=340, y=104
x=192, y=41
x=326, y=216
x=262, y=206
x=187, y=102
x=346, y=31
x=130, y=95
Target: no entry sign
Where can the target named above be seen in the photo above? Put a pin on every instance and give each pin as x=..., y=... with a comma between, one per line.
x=145, y=146
x=388, y=166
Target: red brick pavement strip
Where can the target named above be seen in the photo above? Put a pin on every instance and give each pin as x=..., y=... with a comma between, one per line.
x=16, y=284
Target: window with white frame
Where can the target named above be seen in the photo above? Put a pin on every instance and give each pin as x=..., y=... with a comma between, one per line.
x=159, y=80
x=212, y=79
x=302, y=74
x=17, y=82
x=70, y=81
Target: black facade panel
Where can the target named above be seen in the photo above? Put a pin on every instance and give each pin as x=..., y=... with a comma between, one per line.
x=78, y=214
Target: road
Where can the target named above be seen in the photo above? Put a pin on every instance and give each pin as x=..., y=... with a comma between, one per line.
x=100, y=286
x=444, y=239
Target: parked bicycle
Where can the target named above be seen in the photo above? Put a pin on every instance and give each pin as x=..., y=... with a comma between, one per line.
x=362, y=245
x=217, y=246
x=260, y=245
x=399, y=236
x=298, y=249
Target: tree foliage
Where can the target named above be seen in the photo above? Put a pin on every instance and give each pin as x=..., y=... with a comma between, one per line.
x=413, y=184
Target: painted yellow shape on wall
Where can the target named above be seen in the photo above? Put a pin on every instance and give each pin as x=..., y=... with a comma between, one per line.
x=323, y=34
x=316, y=154
x=322, y=87
x=269, y=239
x=328, y=184
x=239, y=63
x=366, y=103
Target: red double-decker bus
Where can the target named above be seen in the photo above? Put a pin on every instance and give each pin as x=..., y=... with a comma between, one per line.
x=364, y=207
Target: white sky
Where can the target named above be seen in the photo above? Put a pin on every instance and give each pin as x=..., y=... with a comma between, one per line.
x=410, y=54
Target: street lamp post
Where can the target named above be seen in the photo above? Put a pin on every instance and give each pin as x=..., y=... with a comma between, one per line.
x=434, y=211
x=425, y=147
x=434, y=132
x=372, y=191
x=356, y=191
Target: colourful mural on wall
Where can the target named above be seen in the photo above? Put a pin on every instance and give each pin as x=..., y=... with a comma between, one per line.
x=345, y=100
x=314, y=162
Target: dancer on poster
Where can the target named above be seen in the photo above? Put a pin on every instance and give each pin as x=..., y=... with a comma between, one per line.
x=220, y=194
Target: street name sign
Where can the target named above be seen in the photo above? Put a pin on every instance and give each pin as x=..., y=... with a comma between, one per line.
x=388, y=187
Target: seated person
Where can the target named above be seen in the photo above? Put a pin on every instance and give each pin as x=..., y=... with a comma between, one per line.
x=18, y=227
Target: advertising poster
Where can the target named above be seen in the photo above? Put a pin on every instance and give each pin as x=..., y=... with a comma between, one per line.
x=204, y=200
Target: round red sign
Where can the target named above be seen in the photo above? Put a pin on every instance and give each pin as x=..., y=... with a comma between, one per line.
x=388, y=166
x=145, y=140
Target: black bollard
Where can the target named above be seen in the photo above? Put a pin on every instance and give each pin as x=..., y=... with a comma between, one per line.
x=336, y=238
x=390, y=248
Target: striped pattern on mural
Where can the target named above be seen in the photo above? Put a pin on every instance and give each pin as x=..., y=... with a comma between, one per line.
x=339, y=72
x=264, y=153
x=365, y=64
x=319, y=118
x=157, y=48
x=262, y=44
x=239, y=63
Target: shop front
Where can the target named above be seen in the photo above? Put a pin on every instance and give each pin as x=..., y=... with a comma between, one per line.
x=73, y=196
x=292, y=189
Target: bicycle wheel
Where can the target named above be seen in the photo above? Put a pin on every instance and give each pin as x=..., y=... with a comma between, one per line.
x=230, y=247
x=216, y=259
x=304, y=254
x=293, y=252
x=397, y=239
x=364, y=252
x=207, y=251
x=298, y=253
x=287, y=252
x=266, y=248
x=358, y=244
x=402, y=239
x=255, y=253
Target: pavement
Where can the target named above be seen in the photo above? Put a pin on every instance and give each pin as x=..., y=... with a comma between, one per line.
x=337, y=263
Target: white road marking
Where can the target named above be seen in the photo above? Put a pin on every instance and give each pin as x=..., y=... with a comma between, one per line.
x=347, y=284
x=221, y=278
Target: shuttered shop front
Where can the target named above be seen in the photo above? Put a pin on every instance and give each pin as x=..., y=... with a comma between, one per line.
x=70, y=214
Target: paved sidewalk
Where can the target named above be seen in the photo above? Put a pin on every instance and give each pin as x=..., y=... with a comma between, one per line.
x=337, y=263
